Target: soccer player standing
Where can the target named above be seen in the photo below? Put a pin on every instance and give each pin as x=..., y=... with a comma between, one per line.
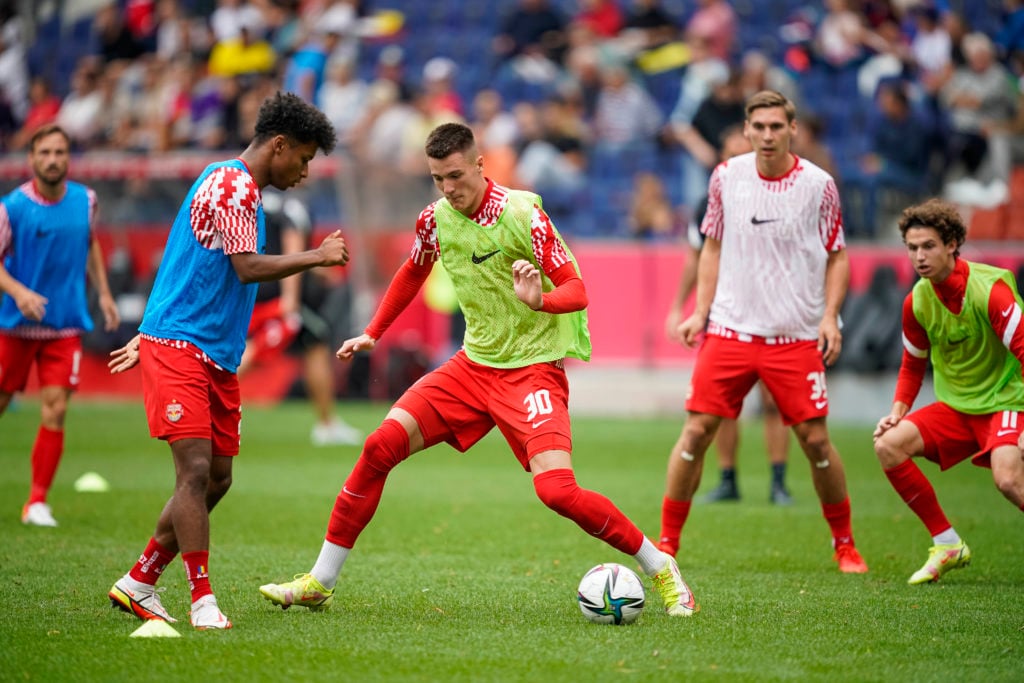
x=523, y=300
x=193, y=333
x=966, y=316
x=47, y=247
x=771, y=280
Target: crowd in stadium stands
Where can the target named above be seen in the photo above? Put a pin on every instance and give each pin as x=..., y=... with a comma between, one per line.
x=590, y=102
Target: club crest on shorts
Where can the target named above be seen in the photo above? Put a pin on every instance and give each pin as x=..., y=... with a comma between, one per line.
x=174, y=411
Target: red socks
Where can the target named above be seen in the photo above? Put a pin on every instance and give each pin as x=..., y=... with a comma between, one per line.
x=197, y=572
x=46, y=452
x=151, y=563
x=673, y=517
x=838, y=517
x=387, y=446
x=917, y=492
x=594, y=513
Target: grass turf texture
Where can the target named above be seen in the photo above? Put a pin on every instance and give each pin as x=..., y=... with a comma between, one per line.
x=464, y=576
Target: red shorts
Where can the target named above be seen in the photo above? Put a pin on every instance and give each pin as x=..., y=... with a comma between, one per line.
x=461, y=401
x=57, y=362
x=189, y=398
x=727, y=369
x=951, y=437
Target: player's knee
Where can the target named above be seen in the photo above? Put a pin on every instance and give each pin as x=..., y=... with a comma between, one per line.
x=816, y=444
x=697, y=434
x=386, y=446
x=1009, y=480
x=558, y=490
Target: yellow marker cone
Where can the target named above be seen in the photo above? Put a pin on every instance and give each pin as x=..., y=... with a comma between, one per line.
x=155, y=628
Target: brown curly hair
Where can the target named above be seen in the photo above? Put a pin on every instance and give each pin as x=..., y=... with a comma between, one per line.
x=288, y=114
x=939, y=215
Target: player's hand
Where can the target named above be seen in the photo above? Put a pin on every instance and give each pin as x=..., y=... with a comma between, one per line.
x=333, y=250
x=885, y=424
x=830, y=340
x=111, y=316
x=126, y=357
x=31, y=305
x=526, y=280
x=689, y=330
x=363, y=342
x=672, y=322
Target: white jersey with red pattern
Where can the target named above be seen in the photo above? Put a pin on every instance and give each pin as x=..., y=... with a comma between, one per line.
x=776, y=236
x=547, y=248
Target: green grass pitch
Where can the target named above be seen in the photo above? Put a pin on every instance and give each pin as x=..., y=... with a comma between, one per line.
x=464, y=576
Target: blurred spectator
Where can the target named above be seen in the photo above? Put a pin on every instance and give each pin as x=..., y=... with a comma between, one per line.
x=1010, y=38
x=343, y=98
x=808, y=144
x=177, y=34
x=702, y=137
x=114, y=41
x=438, y=87
x=391, y=68
x=758, y=72
x=306, y=69
x=552, y=158
x=43, y=108
x=896, y=164
x=81, y=111
x=14, y=75
x=648, y=25
x=891, y=58
x=627, y=116
x=341, y=17
x=583, y=77
x=602, y=17
x=981, y=100
x=533, y=27
x=650, y=214
x=840, y=35
x=496, y=134
x=714, y=23
x=704, y=71
x=247, y=52
x=231, y=15
x=931, y=49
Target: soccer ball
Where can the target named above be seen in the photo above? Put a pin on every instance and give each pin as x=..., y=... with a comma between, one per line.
x=611, y=594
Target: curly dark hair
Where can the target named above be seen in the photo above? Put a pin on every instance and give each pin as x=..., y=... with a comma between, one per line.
x=449, y=138
x=939, y=215
x=288, y=114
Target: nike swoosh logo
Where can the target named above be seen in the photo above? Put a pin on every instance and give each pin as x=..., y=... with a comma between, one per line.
x=754, y=220
x=480, y=259
x=818, y=405
x=1004, y=432
x=1008, y=310
x=344, y=489
x=538, y=424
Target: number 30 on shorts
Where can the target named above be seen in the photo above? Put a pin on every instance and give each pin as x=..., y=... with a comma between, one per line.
x=537, y=403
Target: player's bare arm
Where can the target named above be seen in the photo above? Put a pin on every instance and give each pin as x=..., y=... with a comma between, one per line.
x=527, y=283
x=707, y=283
x=98, y=277
x=837, y=281
x=126, y=357
x=350, y=347
x=252, y=267
x=899, y=409
x=31, y=304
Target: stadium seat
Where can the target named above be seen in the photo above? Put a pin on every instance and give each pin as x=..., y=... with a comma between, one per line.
x=988, y=224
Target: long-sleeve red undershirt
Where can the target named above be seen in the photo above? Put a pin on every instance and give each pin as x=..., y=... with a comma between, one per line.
x=951, y=293
x=568, y=295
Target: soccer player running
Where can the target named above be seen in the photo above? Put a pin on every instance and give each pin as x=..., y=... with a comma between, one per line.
x=523, y=300
x=193, y=333
x=771, y=280
x=966, y=316
x=47, y=247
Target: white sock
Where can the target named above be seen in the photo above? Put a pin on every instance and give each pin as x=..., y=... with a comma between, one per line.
x=650, y=559
x=328, y=564
x=947, y=537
